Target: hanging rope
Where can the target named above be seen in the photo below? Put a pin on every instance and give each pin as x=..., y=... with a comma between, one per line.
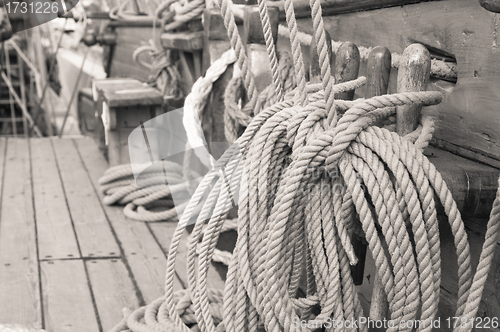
x=309, y=171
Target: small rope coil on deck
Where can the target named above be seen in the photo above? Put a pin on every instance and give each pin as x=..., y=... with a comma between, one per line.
x=119, y=187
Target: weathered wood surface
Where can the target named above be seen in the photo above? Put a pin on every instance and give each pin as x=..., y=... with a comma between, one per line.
x=413, y=75
x=56, y=237
x=19, y=283
x=336, y=7
x=347, y=61
x=67, y=299
x=144, y=256
x=119, y=92
x=378, y=69
x=91, y=226
x=55, y=291
x=468, y=115
x=112, y=289
x=128, y=39
x=216, y=43
x=184, y=41
x=472, y=184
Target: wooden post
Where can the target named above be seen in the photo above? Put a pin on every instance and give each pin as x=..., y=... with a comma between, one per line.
x=377, y=80
x=216, y=43
x=413, y=75
x=253, y=38
x=314, y=66
x=346, y=67
x=378, y=70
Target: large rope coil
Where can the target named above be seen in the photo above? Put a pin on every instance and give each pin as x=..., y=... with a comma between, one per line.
x=307, y=173
x=364, y=173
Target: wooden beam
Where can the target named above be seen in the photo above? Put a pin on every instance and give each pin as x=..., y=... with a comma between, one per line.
x=336, y=7
x=253, y=39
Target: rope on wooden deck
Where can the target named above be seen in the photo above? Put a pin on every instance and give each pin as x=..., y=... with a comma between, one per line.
x=119, y=187
x=279, y=225
x=310, y=171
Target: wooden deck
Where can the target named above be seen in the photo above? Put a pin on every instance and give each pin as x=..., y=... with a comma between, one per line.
x=68, y=262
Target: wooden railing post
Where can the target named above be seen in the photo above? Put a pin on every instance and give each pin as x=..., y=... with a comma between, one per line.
x=413, y=75
x=314, y=66
x=346, y=67
x=216, y=43
x=378, y=70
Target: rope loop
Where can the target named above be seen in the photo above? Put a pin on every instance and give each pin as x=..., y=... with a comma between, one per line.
x=309, y=173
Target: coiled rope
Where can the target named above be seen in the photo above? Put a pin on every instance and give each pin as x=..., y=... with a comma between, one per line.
x=309, y=173
x=119, y=187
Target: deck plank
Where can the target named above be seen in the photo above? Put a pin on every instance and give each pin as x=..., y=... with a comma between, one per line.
x=113, y=290
x=92, y=228
x=67, y=300
x=56, y=237
x=144, y=256
x=19, y=282
x=164, y=232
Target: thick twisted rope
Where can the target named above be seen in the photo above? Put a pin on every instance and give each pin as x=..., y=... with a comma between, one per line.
x=271, y=49
x=305, y=184
x=152, y=199
x=237, y=46
x=272, y=211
